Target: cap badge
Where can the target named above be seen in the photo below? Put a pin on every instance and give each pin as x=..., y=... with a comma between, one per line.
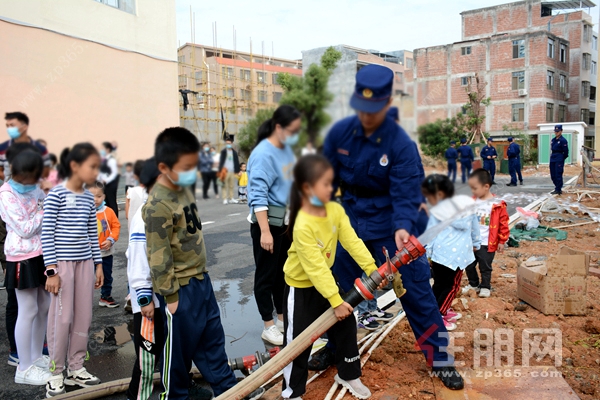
x=367, y=93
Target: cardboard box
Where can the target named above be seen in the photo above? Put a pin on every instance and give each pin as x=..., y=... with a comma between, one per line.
x=557, y=285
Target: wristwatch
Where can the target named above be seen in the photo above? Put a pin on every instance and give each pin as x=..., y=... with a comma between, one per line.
x=143, y=301
x=50, y=272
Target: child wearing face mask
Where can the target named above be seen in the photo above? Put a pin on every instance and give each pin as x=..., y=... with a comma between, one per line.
x=229, y=162
x=109, y=229
x=21, y=207
x=316, y=225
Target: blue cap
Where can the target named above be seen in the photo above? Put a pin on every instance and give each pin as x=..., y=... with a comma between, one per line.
x=510, y=139
x=490, y=139
x=453, y=142
x=558, y=128
x=463, y=140
x=373, y=88
x=393, y=112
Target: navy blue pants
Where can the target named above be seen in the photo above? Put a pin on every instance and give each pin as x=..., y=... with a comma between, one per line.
x=465, y=167
x=107, y=266
x=490, y=166
x=419, y=302
x=452, y=171
x=514, y=169
x=556, y=173
x=194, y=333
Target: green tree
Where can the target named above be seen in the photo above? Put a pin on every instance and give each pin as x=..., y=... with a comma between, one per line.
x=247, y=135
x=309, y=93
x=475, y=108
x=436, y=136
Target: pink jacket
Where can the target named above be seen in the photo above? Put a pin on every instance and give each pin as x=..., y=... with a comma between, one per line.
x=22, y=214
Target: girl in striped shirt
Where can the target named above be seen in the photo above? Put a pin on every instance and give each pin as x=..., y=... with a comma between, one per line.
x=70, y=248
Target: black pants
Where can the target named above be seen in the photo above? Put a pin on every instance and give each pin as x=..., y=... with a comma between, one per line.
x=302, y=308
x=208, y=177
x=268, y=277
x=484, y=259
x=446, y=284
x=195, y=333
x=148, y=354
x=110, y=190
x=12, y=311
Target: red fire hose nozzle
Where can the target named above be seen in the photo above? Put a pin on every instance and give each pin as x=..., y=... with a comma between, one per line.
x=412, y=250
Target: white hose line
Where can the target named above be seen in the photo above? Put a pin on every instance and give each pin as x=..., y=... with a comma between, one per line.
x=331, y=391
x=366, y=337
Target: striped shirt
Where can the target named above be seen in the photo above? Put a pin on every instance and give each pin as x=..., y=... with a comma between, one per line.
x=69, y=228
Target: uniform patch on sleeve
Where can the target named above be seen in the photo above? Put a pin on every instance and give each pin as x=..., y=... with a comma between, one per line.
x=343, y=151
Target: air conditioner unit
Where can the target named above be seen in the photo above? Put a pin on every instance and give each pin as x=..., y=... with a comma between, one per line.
x=522, y=92
x=567, y=96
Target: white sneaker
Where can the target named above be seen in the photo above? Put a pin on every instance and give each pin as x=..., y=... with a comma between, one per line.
x=33, y=375
x=279, y=325
x=467, y=288
x=355, y=387
x=233, y=201
x=272, y=335
x=485, y=293
x=55, y=385
x=43, y=362
x=225, y=202
x=81, y=378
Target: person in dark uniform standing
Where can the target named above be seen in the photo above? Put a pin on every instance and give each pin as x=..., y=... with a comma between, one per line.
x=488, y=155
x=560, y=152
x=377, y=166
x=451, y=157
x=514, y=162
x=466, y=159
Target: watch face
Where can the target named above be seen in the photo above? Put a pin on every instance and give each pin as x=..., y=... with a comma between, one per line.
x=50, y=272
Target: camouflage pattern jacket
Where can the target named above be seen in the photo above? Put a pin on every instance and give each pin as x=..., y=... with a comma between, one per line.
x=175, y=244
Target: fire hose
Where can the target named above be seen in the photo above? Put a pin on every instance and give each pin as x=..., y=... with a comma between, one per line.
x=363, y=290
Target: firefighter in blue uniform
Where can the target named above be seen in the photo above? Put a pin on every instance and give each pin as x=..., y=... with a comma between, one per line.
x=451, y=157
x=514, y=162
x=466, y=159
x=488, y=155
x=560, y=152
x=378, y=168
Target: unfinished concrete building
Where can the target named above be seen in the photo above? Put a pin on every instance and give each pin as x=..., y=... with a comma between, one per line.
x=538, y=58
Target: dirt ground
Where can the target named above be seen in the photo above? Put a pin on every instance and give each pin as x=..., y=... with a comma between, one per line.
x=396, y=370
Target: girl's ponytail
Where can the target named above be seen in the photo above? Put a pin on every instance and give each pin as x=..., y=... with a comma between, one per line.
x=283, y=116
x=63, y=168
x=295, y=205
x=435, y=183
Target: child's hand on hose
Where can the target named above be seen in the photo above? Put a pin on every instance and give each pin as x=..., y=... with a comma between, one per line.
x=343, y=311
x=99, y=276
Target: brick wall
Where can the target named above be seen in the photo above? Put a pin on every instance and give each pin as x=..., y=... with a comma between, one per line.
x=478, y=24
x=432, y=93
x=511, y=18
x=431, y=61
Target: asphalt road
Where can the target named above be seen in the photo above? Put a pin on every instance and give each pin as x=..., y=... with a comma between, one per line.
x=231, y=267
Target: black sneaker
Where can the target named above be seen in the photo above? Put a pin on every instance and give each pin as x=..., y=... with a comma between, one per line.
x=556, y=192
x=381, y=315
x=321, y=360
x=521, y=183
x=512, y=184
x=450, y=378
x=108, y=302
x=366, y=321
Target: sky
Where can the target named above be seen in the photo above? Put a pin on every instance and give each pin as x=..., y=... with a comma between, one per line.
x=286, y=28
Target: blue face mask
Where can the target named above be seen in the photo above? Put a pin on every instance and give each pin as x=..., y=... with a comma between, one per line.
x=20, y=188
x=101, y=206
x=13, y=132
x=228, y=146
x=206, y=149
x=314, y=200
x=186, y=178
x=292, y=140
x=102, y=153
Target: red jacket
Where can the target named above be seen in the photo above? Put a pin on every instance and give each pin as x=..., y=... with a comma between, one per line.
x=499, y=230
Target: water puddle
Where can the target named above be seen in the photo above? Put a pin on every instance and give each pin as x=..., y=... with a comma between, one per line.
x=115, y=335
